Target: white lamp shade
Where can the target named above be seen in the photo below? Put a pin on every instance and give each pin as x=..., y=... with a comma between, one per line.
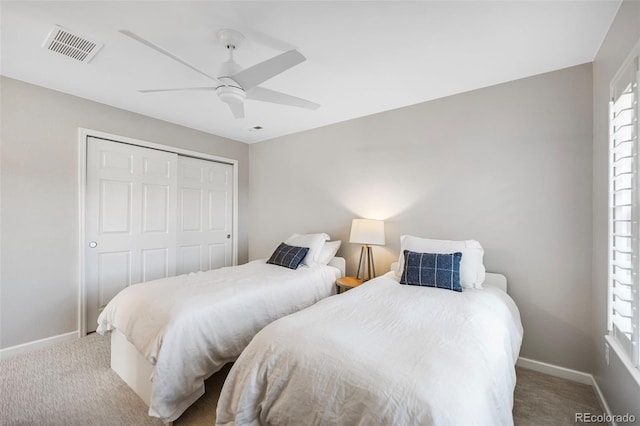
x=367, y=231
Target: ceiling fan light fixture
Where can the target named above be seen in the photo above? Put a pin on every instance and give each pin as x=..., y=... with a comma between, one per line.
x=230, y=94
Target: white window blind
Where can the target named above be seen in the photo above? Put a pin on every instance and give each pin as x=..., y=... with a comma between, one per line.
x=624, y=212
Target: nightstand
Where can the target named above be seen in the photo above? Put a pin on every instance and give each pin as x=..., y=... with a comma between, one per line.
x=347, y=283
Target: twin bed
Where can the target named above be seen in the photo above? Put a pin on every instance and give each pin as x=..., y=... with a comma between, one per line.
x=168, y=336
x=383, y=353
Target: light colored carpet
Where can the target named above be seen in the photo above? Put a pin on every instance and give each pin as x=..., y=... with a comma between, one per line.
x=541, y=399
x=72, y=384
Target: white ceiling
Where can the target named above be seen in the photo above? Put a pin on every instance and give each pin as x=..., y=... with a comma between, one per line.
x=363, y=57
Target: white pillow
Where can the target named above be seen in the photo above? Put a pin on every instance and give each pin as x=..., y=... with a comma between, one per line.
x=328, y=251
x=313, y=241
x=472, y=270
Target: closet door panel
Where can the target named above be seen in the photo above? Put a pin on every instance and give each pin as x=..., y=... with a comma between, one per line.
x=155, y=264
x=190, y=210
x=189, y=259
x=115, y=206
x=218, y=256
x=114, y=275
x=155, y=208
x=130, y=218
x=205, y=189
x=218, y=208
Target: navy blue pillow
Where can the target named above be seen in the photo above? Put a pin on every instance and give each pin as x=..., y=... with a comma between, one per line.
x=432, y=270
x=288, y=256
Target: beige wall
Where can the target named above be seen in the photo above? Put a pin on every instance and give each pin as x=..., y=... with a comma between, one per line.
x=619, y=388
x=509, y=165
x=39, y=196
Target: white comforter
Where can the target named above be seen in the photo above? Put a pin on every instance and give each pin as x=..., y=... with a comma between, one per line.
x=189, y=326
x=381, y=354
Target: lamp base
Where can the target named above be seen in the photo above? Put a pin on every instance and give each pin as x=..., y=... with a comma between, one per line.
x=366, y=264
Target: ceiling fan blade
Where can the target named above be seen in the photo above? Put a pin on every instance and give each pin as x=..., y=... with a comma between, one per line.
x=175, y=90
x=268, y=95
x=167, y=53
x=237, y=109
x=252, y=76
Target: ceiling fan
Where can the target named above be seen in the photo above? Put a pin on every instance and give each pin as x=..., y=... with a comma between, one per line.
x=234, y=84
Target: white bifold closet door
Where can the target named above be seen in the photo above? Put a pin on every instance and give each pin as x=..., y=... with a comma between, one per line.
x=142, y=220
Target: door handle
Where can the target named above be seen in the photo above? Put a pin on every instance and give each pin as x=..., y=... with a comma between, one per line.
x=228, y=236
x=93, y=244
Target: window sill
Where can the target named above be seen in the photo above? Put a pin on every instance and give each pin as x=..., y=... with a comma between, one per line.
x=624, y=358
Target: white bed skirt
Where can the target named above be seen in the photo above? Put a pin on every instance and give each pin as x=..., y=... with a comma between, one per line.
x=131, y=366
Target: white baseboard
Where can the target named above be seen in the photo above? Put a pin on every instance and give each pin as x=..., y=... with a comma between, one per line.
x=37, y=344
x=602, y=401
x=554, y=370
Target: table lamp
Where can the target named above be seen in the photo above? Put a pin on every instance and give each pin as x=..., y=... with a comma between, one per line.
x=366, y=232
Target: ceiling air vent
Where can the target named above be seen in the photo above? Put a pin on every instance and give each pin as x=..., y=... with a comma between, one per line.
x=72, y=45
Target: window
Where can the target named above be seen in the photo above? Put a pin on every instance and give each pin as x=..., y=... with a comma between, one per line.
x=624, y=212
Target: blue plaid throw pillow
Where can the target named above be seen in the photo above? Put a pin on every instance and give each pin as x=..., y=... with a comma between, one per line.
x=288, y=256
x=432, y=270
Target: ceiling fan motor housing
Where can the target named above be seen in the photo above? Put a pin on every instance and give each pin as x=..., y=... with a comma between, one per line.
x=227, y=69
